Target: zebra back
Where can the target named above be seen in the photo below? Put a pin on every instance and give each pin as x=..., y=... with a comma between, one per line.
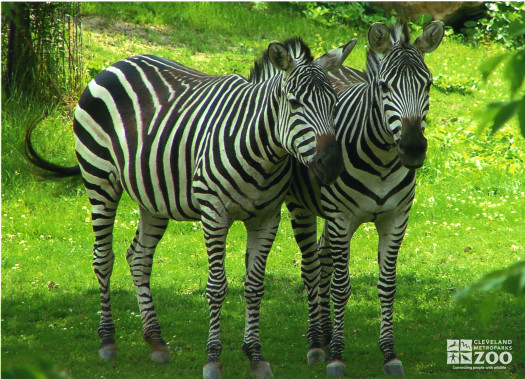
x=158, y=128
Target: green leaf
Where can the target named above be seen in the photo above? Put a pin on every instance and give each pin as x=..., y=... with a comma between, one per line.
x=521, y=115
x=423, y=19
x=516, y=29
x=504, y=114
x=500, y=113
x=497, y=114
x=510, y=279
x=515, y=71
x=490, y=65
x=486, y=115
x=471, y=24
x=489, y=305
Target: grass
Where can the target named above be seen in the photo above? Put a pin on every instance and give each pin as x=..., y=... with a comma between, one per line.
x=467, y=221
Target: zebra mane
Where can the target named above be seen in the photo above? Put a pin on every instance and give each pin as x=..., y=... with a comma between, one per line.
x=263, y=67
x=400, y=37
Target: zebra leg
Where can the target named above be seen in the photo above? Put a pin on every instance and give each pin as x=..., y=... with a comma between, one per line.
x=104, y=196
x=260, y=236
x=103, y=258
x=325, y=283
x=391, y=232
x=339, y=234
x=304, y=226
x=216, y=288
x=140, y=258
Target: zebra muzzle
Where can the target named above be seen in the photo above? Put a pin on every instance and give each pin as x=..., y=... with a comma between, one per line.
x=328, y=162
x=412, y=147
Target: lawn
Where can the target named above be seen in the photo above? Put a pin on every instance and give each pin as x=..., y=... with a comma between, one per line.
x=467, y=220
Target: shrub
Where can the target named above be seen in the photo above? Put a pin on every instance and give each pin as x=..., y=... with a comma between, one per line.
x=359, y=15
x=496, y=25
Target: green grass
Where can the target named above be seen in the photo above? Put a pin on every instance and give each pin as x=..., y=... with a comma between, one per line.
x=468, y=219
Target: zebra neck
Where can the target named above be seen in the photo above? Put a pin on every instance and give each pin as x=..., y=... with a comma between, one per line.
x=361, y=118
x=262, y=130
x=377, y=118
x=364, y=136
x=378, y=122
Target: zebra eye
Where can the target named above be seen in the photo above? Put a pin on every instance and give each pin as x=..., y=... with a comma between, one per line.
x=295, y=104
x=384, y=86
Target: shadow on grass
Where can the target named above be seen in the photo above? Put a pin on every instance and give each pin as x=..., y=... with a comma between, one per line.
x=60, y=325
x=425, y=317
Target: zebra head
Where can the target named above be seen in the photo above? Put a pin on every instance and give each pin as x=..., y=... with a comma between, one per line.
x=403, y=82
x=306, y=103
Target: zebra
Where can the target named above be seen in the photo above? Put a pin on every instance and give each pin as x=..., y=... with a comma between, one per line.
x=190, y=146
x=379, y=121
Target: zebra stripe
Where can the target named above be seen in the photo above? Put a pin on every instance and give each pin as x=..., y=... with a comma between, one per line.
x=190, y=146
x=379, y=121
x=379, y=125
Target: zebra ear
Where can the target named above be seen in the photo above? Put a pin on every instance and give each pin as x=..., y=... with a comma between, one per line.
x=379, y=38
x=280, y=57
x=431, y=37
x=333, y=59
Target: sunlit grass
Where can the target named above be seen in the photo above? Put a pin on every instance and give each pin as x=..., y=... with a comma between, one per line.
x=467, y=220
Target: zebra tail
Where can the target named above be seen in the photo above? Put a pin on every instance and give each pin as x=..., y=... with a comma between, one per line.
x=46, y=168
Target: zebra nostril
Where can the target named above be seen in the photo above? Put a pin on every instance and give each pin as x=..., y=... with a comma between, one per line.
x=328, y=164
x=412, y=156
x=331, y=159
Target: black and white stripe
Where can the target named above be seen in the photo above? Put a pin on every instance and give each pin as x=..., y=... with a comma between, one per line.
x=189, y=146
x=379, y=126
x=379, y=121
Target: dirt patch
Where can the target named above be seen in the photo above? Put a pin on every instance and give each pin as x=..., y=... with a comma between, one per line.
x=151, y=33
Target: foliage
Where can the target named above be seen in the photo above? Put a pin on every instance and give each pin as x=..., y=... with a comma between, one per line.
x=510, y=279
x=497, y=23
x=41, y=49
x=359, y=15
x=497, y=114
x=457, y=83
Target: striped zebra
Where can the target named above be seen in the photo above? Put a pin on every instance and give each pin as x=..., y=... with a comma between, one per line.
x=379, y=121
x=190, y=146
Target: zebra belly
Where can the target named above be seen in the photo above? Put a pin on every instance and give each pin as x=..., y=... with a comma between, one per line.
x=232, y=197
x=367, y=209
x=363, y=198
x=169, y=205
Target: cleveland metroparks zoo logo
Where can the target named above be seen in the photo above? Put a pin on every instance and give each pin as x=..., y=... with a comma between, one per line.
x=459, y=352
x=479, y=354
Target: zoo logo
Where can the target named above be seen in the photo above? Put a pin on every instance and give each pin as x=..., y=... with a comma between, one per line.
x=464, y=353
x=459, y=352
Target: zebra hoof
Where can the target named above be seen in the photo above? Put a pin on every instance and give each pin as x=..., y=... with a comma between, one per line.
x=335, y=369
x=160, y=356
x=212, y=370
x=394, y=368
x=261, y=369
x=108, y=352
x=316, y=355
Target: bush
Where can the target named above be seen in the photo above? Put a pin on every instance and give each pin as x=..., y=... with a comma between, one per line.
x=496, y=25
x=359, y=15
x=41, y=49
x=497, y=114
